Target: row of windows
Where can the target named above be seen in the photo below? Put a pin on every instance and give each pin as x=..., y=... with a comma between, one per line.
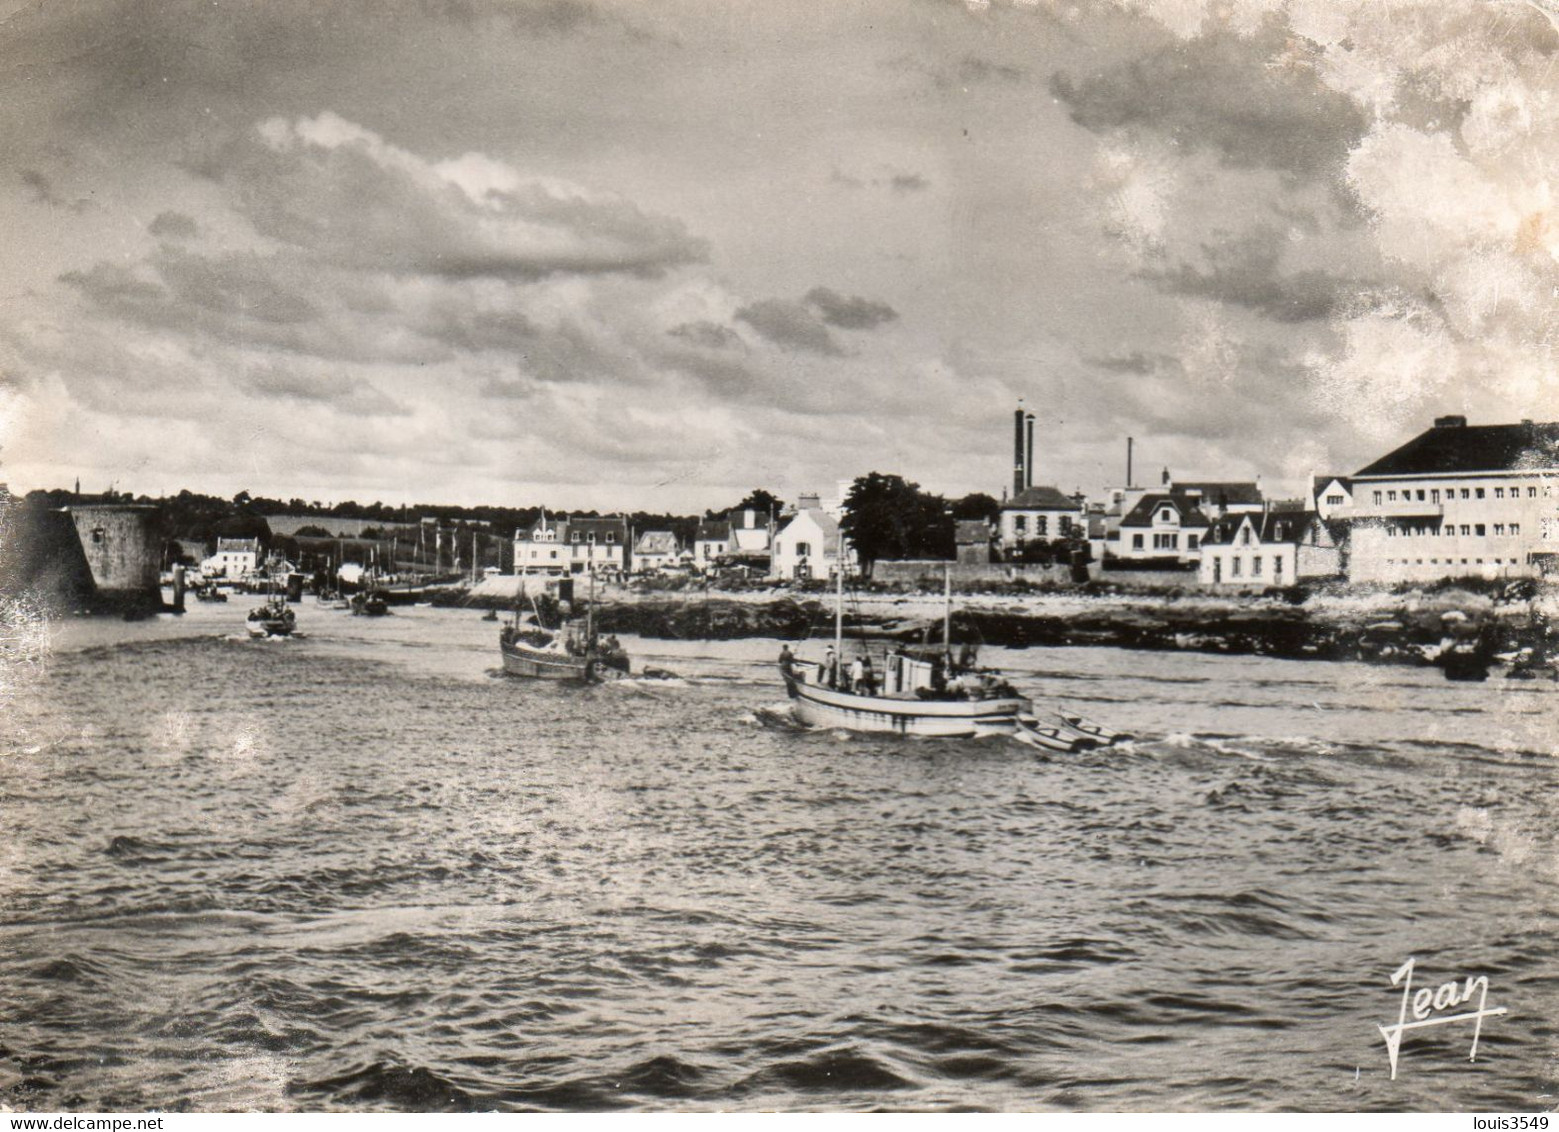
x=1237, y=564
x=1041, y=524
x=1451, y=562
x=1478, y=530
x=1450, y=493
x=1166, y=541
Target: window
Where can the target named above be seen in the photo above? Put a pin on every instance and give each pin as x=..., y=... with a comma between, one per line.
x=1377, y=497
x=1499, y=493
x=1480, y=493
x=1244, y=536
x=1499, y=528
x=1434, y=495
x=1391, y=497
x=1064, y=525
x=1532, y=492
x=1041, y=526
x=1136, y=542
x=1234, y=566
x=1166, y=541
x=803, y=549
x=611, y=536
x=1191, y=541
x=1515, y=528
x=1166, y=516
x=1478, y=530
x=1466, y=530
x=554, y=554
x=1420, y=495
x=1020, y=523
x=1334, y=500
x=1255, y=566
x=1277, y=569
x=1466, y=494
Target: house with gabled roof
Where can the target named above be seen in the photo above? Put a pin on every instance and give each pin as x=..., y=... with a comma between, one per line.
x=809, y=545
x=711, y=542
x=1276, y=548
x=234, y=558
x=1160, y=524
x=656, y=550
x=1331, y=497
x=566, y=545
x=1459, y=500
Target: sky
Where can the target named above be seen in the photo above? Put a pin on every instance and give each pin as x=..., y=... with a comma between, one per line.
x=651, y=255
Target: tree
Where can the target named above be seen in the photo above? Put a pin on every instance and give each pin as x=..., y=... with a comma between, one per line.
x=977, y=506
x=887, y=517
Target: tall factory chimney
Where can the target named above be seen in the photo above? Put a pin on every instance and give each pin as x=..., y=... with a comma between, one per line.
x=1019, y=464
x=1028, y=462
x=1128, y=461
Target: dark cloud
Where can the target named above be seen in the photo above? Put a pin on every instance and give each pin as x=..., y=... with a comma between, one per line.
x=1246, y=99
x=1137, y=362
x=970, y=70
x=909, y=183
x=973, y=69
x=789, y=324
x=849, y=312
x=349, y=199
x=43, y=192
x=352, y=395
x=708, y=334
x=173, y=226
x=1247, y=271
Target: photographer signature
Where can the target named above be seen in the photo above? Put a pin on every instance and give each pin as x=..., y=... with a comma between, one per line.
x=1426, y=1005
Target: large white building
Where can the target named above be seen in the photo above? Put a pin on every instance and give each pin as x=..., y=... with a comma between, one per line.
x=572, y=546
x=1458, y=500
x=809, y=545
x=235, y=558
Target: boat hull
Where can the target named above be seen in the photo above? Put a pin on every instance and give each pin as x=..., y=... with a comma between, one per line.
x=944, y=719
x=549, y=664
x=269, y=628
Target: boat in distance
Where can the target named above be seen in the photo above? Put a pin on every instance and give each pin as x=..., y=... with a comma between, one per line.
x=273, y=619
x=542, y=654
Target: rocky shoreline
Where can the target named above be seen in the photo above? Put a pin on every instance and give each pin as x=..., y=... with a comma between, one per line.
x=1375, y=627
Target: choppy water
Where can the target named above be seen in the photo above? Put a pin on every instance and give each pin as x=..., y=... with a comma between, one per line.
x=361, y=871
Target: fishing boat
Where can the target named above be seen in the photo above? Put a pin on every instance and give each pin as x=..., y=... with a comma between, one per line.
x=569, y=652
x=370, y=603
x=274, y=618
x=926, y=691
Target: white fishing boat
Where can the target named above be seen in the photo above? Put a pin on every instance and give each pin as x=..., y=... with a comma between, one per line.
x=274, y=618
x=925, y=691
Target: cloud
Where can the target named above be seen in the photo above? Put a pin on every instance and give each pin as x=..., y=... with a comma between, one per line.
x=789, y=324
x=849, y=313
x=1252, y=101
x=43, y=192
x=173, y=226
x=341, y=191
x=1246, y=270
x=353, y=395
x=908, y=183
x=710, y=335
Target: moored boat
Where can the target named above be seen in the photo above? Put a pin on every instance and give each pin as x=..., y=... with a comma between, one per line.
x=568, y=653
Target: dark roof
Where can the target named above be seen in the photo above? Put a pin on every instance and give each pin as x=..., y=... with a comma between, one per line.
x=970, y=532
x=1040, y=498
x=1318, y=482
x=1225, y=494
x=713, y=529
x=738, y=519
x=1472, y=448
x=1273, y=526
x=1142, y=514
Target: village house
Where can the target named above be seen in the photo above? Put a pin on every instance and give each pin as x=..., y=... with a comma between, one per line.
x=711, y=542
x=656, y=550
x=972, y=541
x=809, y=544
x=572, y=546
x=1277, y=548
x=1159, y=525
x=234, y=558
x=1331, y=497
x=1459, y=500
x=1038, y=514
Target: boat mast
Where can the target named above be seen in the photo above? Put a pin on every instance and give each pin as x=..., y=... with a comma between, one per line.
x=590, y=612
x=839, y=612
x=947, y=610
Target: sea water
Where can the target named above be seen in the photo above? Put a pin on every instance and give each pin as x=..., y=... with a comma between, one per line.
x=361, y=870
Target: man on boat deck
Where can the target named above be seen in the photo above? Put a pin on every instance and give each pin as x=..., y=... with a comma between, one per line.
x=830, y=668
x=786, y=658
x=857, y=676
x=867, y=684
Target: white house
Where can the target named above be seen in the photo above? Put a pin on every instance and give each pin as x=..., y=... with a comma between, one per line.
x=1459, y=500
x=1038, y=514
x=234, y=558
x=1274, y=549
x=1159, y=525
x=1332, y=496
x=572, y=546
x=711, y=542
x=808, y=546
x=656, y=550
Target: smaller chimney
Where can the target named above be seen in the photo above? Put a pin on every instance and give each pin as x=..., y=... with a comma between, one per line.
x=1454, y=421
